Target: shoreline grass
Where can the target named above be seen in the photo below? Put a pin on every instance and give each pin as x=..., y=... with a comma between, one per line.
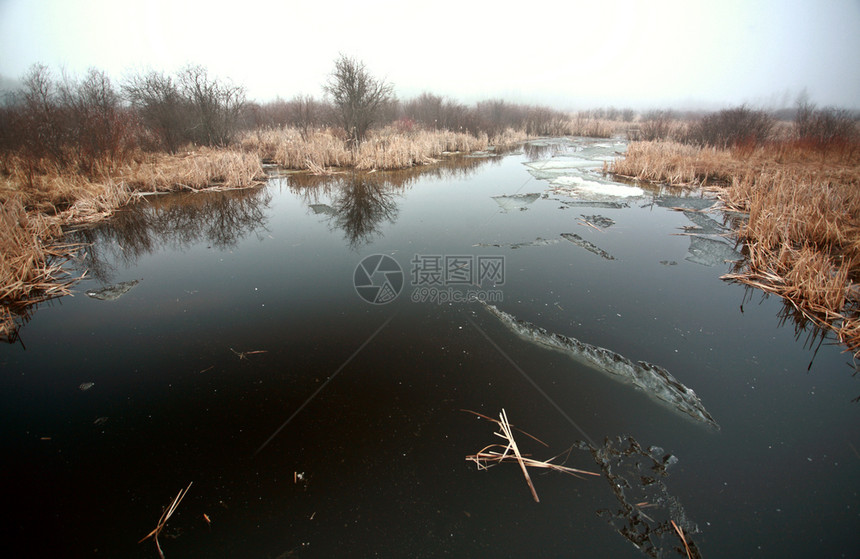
x=39, y=199
x=36, y=207
x=802, y=237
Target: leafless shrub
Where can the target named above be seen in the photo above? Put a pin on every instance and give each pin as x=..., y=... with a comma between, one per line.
x=102, y=130
x=215, y=106
x=358, y=97
x=827, y=129
x=161, y=107
x=656, y=125
x=732, y=127
x=190, y=107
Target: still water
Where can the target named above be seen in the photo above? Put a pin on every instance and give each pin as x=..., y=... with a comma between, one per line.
x=303, y=353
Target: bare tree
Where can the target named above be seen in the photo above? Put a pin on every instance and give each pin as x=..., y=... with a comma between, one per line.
x=160, y=105
x=358, y=97
x=101, y=128
x=305, y=113
x=45, y=120
x=216, y=107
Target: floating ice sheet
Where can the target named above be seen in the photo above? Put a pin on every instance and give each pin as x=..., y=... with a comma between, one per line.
x=654, y=380
x=539, y=242
x=636, y=478
x=587, y=245
x=578, y=186
x=323, y=209
x=706, y=225
x=516, y=201
x=711, y=252
x=559, y=163
x=113, y=292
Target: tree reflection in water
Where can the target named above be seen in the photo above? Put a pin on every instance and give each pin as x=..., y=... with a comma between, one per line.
x=362, y=202
x=173, y=221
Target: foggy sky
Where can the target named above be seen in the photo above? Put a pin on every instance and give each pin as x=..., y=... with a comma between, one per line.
x=571, y=55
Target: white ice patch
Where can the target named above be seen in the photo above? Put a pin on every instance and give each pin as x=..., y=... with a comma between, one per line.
x=559, y=163
x=579, y=185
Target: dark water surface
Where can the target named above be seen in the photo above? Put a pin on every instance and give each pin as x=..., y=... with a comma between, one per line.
x=315, y=424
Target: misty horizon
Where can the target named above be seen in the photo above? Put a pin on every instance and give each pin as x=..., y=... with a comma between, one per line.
x=569, y=56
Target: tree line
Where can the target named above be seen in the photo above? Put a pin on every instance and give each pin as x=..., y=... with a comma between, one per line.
x=93, y=125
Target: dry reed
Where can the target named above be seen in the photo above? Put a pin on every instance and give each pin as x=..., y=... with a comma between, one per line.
x=510, y=452
x=30, y=271
x=384, y=149
x=35, y=206
x=802, y=237
x=165, y=516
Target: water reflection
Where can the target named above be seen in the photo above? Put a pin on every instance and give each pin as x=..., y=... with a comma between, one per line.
x=360, y=204
x=172, y=221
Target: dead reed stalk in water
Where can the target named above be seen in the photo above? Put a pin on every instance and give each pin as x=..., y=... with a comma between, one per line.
x=165, y=516
x=491, y=455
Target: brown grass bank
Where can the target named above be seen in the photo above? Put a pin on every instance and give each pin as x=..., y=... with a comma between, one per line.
x=384, y=149
x=35, y=207
x=38, y=198
x=802, y=238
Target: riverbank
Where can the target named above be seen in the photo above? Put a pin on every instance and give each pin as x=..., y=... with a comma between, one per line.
x=39, y=200
x=801, y=239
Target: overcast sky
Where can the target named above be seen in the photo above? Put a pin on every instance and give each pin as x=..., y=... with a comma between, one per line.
x=569, y=54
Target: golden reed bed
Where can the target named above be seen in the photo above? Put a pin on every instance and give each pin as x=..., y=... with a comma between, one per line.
x=802, y=238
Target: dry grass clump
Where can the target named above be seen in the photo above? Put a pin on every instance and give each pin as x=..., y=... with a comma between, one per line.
x=383, y=149
x=673, y=163
x=508, y=138
x=581, y=125
x=802, y=237
x=204, y=168
x=34, y=206
x=30, y=271
x=386, y=149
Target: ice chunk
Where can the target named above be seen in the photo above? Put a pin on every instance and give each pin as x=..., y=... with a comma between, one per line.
x=654, y=380
x=580, y=186
x=539, y=242
x=587, y=245
x=711, y=252
x=113, y=292
x=706, y=225
x=559, y=163
x=598, y=220
x=516, y=201
x=323, y=209
x=647, y=509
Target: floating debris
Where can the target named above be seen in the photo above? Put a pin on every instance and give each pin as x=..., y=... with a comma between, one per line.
x=100, y=421
x=323, y=209
x=539, y=242
x=86, y=386
x=654, y=380
x=711, y=252
x=705, y=224
x=165, y=516
x=113, y=292
x=516, y=201
x=636, y=478
x=244, y=354
x=599, y=220
x=668, y=263
x=580, y=187
x=685, y=202
x=602, y=204
x=587, y=245
x=494, y=454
